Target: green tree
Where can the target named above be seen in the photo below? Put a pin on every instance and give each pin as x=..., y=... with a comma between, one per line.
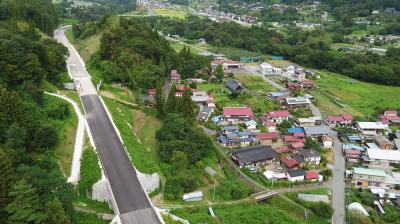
x=16, y=137
x=186, y=106
x=7, y=176
x=179, y=160
x=55, y=213
x=170, y=106
x=219, y=73
x=25, y=206
x=159, y=101
x=11, y=111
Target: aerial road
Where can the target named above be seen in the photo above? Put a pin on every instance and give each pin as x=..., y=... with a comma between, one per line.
x=132, y=202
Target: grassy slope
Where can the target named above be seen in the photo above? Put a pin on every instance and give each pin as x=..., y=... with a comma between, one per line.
x=124, y=120
x=275, y=210
x=66, y=132
x=360, y=97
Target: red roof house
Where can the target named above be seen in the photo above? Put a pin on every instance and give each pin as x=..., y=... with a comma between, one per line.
x=311, y=175
x=266, y=136
x=390, y=116
x=174, y=76
x=151, y=92
x=307, y=84
x=293, y=86
x=237, y=114
x=290, y=139
x=275, y=116
x=341, y=119
x=289, y=162
x=299, y=134
x=282, y=149
x=297, y=145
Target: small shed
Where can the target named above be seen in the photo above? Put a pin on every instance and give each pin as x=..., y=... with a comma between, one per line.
x=193, y=196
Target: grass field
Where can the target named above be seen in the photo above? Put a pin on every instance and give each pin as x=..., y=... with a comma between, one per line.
x=275, y=210
x=259, y=103
x=178, y=47
x=84, y=218
x=255, y=83
x=171, y=13
x=358, y=98
x=90, y=169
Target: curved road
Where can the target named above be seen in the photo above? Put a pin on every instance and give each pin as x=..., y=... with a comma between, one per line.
x=130, y=201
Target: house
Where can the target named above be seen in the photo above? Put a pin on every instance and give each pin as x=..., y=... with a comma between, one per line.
x=370, y=129
x=276, y=116
x=174, y=76
x=307, y=84
x=151, y=92
x=295, y=130
x=205, y=113
x=271, y=126
x=383, y=142
x=290, y=68
x=308, y=122
x=391, y=10
x=297, y=102
x=327, y=141
x=352, y=155
x=317, y=131
x=296, y=175
x=345, y=119
x=390, y=116
x=240, y=138
x=251, y=125
x=311, y=175
x=289, y=163
x=193, y=196
x=254, y=156
x=267, y=69
x=229, y=129
x=270, y=175
x=298, y=75
x=237, y=114
x=307, y=156
x=283, y=149
x=364, y=177
x=293, y=86
x=267, y=138
x=296, y=145
x=381, y=158
x=200, y=98
x=234, y=86
x=148, y=100
x=201, y=41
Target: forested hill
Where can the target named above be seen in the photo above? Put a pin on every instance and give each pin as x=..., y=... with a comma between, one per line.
x=39, y=13
x=32, y=187
x=135, y=54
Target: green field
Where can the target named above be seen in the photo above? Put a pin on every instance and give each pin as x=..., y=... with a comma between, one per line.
x=178, y=47
x=358, y=98
x=171, y=13
x=275, y=210
x=259, y=103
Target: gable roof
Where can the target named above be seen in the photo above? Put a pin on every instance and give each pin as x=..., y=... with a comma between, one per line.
x=308, y=153
x=317, y=130
x=310, y=175
x=296, y=173
x=297, y=145
x=371, y=172
x=289, y=162
x=266, y=136
x=255, y=153
x=379, y=154
x=279, y=113
x=233, y=85
x=238, y=111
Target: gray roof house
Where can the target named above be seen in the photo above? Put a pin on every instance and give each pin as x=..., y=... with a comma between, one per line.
x=309, y=156
x=233, y=85
x=254, y=155
x=315, y=131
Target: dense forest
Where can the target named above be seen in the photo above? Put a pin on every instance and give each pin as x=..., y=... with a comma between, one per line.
x=308, y=48
x=32, y=187
x=134, y=54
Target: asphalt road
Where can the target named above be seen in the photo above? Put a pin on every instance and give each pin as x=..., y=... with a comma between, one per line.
x=133, y=204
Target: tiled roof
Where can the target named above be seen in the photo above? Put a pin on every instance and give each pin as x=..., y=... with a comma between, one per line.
x=266, y=136
x=289, y=162
x=310, y=175
x=238, y=111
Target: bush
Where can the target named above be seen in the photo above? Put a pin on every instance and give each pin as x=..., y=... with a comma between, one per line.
x=322, y=209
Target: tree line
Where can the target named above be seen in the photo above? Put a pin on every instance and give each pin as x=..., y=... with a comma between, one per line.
x=307, y=48
x=32, y=187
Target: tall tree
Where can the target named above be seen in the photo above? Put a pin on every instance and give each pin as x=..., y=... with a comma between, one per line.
x=25, y=206
x=55, y=213
x=7, y=176
x=186, y=106
x=160, y=102
x=219, y=73
x=11, y=111
x=171, y=104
